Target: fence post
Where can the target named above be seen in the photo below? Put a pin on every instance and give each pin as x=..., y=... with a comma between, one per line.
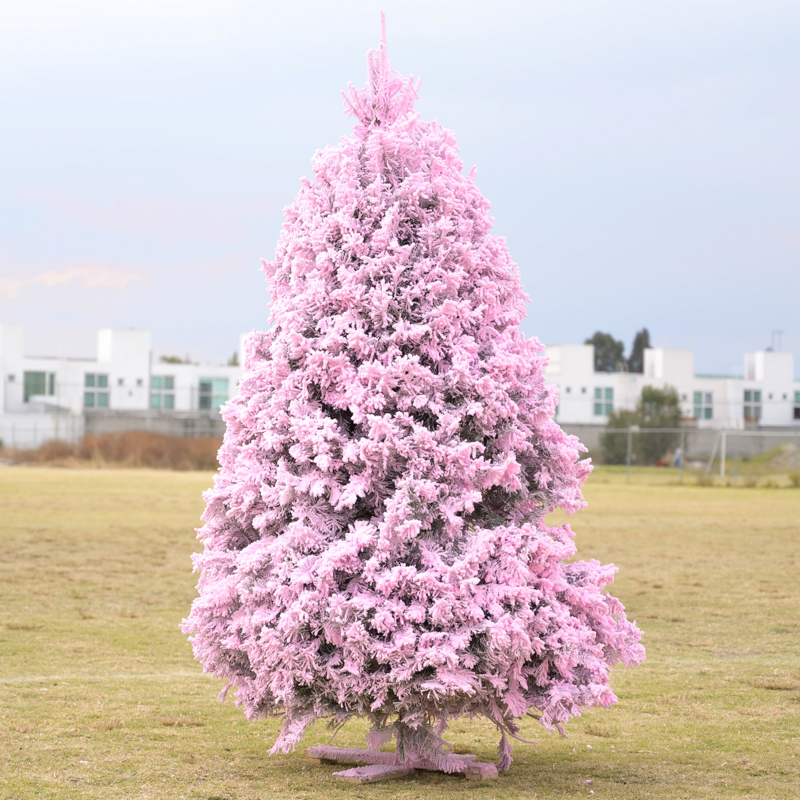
x=683, y=448
x=713, y=456
x=796, y=437
x=628, y=458
x=735, y=457
x=722, y=454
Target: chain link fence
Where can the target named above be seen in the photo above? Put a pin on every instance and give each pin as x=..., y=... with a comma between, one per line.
x=731, y=456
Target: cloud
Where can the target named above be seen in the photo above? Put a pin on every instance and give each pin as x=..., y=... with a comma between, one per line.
x=91, y=276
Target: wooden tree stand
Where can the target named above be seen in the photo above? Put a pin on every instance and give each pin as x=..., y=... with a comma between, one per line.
x=380, y=766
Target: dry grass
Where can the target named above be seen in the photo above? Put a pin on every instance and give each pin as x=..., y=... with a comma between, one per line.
x=125, y=449
x=766, y=474
x=101, y=697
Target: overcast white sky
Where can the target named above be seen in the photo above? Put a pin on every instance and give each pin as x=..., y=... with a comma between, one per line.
x=642, y=159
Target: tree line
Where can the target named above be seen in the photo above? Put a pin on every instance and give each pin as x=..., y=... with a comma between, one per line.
x=657, y=408
x=609, y=353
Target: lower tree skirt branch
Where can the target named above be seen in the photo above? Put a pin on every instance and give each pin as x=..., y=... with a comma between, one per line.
x=379, y=766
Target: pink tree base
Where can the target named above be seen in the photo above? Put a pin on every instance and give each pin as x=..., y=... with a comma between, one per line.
x=375, y=765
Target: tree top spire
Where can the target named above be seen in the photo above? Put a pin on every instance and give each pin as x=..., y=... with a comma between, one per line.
x=387, y=95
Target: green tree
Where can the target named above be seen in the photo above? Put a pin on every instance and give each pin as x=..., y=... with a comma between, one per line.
x=233, y=361
x=614, y=442
x=608, y=353
x=657, y=408
x=636, y=358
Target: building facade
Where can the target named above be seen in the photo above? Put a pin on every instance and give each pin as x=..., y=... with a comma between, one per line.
x=123, y=388
x=767, y=394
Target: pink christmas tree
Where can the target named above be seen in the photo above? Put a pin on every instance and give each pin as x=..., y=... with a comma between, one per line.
x=375, y=543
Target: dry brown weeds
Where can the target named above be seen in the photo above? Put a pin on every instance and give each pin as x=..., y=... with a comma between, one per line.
x=124, y=449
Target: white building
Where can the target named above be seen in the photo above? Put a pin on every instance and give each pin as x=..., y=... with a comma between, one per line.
x=123, y=388
x=766, y=395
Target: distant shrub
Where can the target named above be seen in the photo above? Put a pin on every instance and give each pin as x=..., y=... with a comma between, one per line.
x=54, y=450
x=614, y=442
x=143, y=449
x=658, y=409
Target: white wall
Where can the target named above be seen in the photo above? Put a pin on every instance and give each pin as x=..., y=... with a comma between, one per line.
x=124, y=355
x=774, y=373
x=11, y=362
x=571, y=368
x=187, y=379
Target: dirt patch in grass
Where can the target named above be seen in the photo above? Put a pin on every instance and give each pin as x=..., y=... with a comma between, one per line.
x=180, y=722
x=775, y=684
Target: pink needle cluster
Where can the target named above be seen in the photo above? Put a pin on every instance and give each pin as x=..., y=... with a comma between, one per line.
x=375, y=541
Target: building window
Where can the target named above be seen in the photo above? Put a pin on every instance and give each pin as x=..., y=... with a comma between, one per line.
x=703, y=405
x=603, y=401
x=96, y=390
x=213, y=393
x=797, y=405
x=40, y=383
x=162, y=392
x=752, y=405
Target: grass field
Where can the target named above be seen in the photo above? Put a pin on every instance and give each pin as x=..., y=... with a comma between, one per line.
x=102, y=699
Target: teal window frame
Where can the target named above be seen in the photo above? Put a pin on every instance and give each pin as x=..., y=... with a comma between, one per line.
x=603, y=400
x=33, y=383
x=703, y=405
x=752, y=405
x=96, y=399
x=162, y=392
x=212, y=393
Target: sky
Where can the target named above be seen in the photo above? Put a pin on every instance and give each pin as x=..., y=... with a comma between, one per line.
x=641, y=159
